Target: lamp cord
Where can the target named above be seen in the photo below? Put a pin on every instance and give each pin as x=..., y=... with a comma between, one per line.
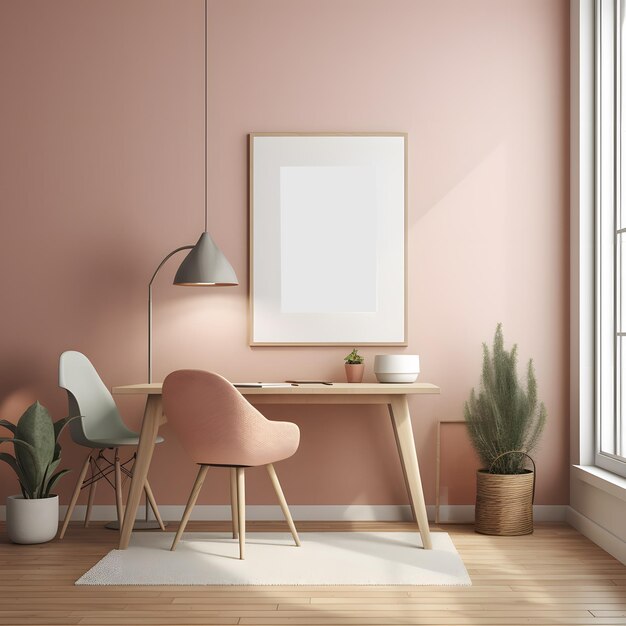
x=206, y=81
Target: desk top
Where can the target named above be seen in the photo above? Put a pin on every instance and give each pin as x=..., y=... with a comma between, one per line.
x=357, y=389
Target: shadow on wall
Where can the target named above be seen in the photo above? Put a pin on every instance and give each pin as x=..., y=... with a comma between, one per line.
x=15, y=396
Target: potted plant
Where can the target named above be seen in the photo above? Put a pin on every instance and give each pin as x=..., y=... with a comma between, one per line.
x=33, y=516
x=354, y=366
x=505, y=421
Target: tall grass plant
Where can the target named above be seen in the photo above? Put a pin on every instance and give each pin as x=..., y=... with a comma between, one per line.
x=504, y=415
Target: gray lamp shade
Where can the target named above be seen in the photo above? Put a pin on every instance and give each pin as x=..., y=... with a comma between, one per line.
x=205, y=265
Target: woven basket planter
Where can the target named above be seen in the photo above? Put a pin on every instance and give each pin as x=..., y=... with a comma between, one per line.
x=504, y=503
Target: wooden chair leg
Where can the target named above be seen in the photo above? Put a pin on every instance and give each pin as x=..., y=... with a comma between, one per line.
x=92, y=491
x=241, y=509
x=79, y=484
x=234, y=511
x=118, y=489
x=283, y=503
x=193, y=496
x=153, y=504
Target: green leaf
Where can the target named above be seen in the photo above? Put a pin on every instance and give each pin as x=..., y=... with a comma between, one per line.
x=49, y=472
x=18, y=442
x=24, y=449
x=354, y=358
x=7, y=458
x=59, y=425
x=35, y=427
x=53, y=481
x=57, y=453
x=9, y=425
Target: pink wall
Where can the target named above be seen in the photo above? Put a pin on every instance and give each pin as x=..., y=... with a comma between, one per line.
x=101, y=146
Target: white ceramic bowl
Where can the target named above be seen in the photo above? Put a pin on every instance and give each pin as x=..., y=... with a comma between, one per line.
x=396, y=368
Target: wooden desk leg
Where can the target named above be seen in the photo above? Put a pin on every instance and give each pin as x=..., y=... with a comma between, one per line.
x=406, y=449
x=152, y=419
x=406, y=479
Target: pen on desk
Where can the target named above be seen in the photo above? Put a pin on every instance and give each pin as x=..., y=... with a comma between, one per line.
x=269, y=385
x=309, y=382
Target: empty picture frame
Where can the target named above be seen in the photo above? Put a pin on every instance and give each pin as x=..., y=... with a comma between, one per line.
x=328, y=238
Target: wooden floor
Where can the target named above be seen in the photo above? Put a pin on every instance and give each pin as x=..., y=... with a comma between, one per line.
x=554, y=576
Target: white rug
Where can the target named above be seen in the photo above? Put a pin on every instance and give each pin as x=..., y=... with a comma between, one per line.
x=341, y=558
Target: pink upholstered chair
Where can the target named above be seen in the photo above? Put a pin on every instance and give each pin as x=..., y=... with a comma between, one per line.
x=217, y=426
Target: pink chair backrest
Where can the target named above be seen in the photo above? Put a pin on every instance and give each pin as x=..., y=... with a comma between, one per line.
x=214, y=423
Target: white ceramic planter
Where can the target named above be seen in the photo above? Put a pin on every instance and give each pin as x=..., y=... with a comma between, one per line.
x=396, y=368
x=32, y=521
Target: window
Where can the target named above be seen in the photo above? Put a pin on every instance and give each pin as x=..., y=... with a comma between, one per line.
x=610, y=238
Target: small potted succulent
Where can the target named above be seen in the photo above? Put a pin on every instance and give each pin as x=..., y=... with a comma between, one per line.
x=33, y=516
x=354, y=366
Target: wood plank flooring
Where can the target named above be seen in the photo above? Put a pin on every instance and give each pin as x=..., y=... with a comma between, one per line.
x=555, y=576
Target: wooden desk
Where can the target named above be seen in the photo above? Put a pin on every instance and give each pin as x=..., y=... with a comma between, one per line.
x=395, y=396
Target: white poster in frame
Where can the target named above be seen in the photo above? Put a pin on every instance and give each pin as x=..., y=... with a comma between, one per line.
x=328, y=216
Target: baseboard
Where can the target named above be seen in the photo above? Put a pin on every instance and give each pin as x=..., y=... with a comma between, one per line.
x=601, y=536
x=458, y=514
x=464, y=513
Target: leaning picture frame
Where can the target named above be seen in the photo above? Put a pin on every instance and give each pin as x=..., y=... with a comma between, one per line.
x=328, y=238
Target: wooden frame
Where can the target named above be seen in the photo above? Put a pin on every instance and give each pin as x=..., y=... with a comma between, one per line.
x=438, y=465
x=301, y=324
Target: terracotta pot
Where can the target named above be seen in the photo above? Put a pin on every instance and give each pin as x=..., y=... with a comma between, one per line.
x=354, y=372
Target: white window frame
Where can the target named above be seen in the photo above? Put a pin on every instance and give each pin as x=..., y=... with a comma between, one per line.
x=607, y=87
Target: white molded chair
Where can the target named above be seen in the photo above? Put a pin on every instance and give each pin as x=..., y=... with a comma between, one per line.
x=100, y=427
